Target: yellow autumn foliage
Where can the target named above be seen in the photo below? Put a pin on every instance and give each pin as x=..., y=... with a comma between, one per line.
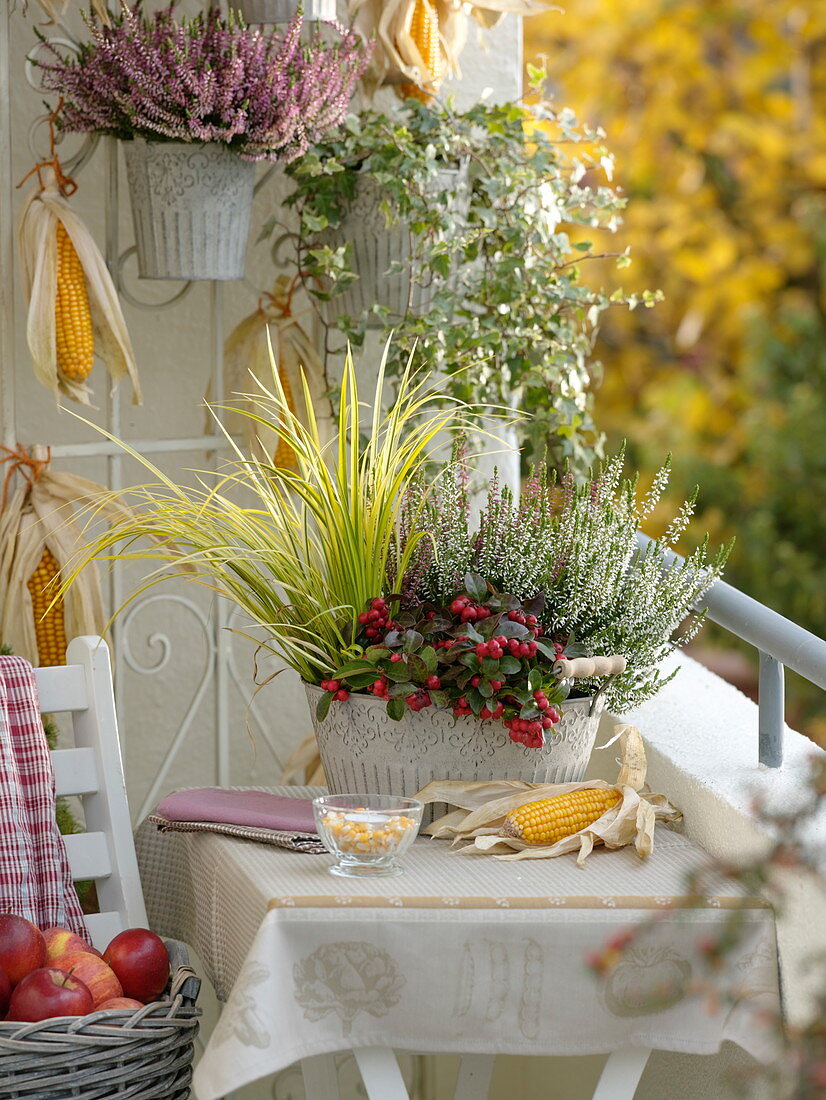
x=715, y=113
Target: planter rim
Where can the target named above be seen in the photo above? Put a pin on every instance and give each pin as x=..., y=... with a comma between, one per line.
x=141, y=139
x=373, y=700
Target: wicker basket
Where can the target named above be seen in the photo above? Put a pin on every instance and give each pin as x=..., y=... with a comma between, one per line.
x=145, y=1054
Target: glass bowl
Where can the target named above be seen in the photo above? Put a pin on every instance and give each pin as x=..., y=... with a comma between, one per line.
x=366, y=832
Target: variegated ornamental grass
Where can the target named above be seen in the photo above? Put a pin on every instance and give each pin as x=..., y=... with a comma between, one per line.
x=313, y=546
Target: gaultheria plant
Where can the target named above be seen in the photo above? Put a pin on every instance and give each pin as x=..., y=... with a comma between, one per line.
x=207, y=79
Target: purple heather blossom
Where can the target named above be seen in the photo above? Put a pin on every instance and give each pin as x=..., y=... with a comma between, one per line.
x=207, y=79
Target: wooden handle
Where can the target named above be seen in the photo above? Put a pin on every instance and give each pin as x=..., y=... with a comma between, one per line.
x=583, y=668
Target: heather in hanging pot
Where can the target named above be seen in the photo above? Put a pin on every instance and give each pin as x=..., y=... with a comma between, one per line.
x=196, y=102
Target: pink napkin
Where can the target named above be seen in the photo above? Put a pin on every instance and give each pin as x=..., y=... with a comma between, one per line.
x=256, y=809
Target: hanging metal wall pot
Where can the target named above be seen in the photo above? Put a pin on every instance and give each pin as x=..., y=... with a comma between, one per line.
x=191, y=207
x=283, y=11
x=382, y=253
x=362, y=749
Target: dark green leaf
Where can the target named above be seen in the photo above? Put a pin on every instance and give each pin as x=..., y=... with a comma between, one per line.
x=428, y=655
x=476, y=586
x=417, y=668
x=396, y=709
x=323, y=705
x=490, y=667
x=402, y=690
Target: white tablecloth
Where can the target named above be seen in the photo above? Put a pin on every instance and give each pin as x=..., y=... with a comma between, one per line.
x=462, y=953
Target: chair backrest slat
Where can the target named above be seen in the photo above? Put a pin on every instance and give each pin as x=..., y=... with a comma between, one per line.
x=94, y=770
x=62, y=688
x=103, y=927
x=88, y=855
x=75, y=771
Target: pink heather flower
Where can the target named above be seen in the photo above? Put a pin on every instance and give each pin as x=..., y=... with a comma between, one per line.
x=207, y=79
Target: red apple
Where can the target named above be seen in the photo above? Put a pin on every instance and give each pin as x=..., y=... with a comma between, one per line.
x=141, y=962
x=94, y=973
x=5, y=992
x=22, y=947
x=60, y=941
x=49, y=992
x=119, y=1002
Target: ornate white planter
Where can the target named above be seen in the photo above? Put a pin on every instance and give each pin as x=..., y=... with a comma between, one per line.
x=377, y=246
x=282, y=11
x=364, y=751
x=191, y=209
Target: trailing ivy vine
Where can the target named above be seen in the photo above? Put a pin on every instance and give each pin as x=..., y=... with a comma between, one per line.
x=510, y=317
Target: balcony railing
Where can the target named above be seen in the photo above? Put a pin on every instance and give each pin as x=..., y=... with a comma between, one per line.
x=780, y=643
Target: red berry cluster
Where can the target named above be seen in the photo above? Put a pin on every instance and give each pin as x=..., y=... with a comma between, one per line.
x=376, y=621
x=529, y=621
x=334, y=686
x=380, y=688
x=500, y=645
x=468, y=611
x=531, y=732
x=418, y=700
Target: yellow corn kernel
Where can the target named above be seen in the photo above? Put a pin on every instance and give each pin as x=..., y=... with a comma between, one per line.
x=551, y=819
x=49, y=628
x=73, y=318
x=424, y=30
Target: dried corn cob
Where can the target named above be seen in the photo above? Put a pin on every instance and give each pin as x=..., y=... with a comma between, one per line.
x=49, y=625
x=424, y=30
x=73, y=319
x=551, y=819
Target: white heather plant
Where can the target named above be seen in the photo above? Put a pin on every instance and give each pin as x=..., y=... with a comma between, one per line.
x=576, y=545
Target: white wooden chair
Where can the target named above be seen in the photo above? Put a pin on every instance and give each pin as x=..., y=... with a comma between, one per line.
x=93, y=770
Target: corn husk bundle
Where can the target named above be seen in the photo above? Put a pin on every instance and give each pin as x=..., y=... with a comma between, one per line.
x=73, y=305
x=248, y=366
x=485, y=821
x=38, y=535
x=418, y=42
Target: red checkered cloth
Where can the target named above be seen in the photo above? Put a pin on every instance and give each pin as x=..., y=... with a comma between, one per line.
x=35, y=881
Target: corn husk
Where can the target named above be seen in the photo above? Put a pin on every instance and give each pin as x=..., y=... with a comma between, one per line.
x=37, y=241
x=35, y=516
x=247, y=365
x=477, y=825
x=56, y=10
x=396, y=58
x=304, y=766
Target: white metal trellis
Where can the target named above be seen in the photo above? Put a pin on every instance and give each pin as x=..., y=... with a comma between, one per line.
x=221, y=676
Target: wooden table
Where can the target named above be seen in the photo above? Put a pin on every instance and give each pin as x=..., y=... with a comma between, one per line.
x=460, y=954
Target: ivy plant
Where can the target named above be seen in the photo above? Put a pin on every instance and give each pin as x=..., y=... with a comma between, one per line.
x=510, y=318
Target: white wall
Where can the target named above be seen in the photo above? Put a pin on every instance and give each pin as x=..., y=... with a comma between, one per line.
x=174, y=349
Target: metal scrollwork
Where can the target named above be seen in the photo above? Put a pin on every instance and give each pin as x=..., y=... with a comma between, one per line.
x=158, y=640
x=138, y=303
